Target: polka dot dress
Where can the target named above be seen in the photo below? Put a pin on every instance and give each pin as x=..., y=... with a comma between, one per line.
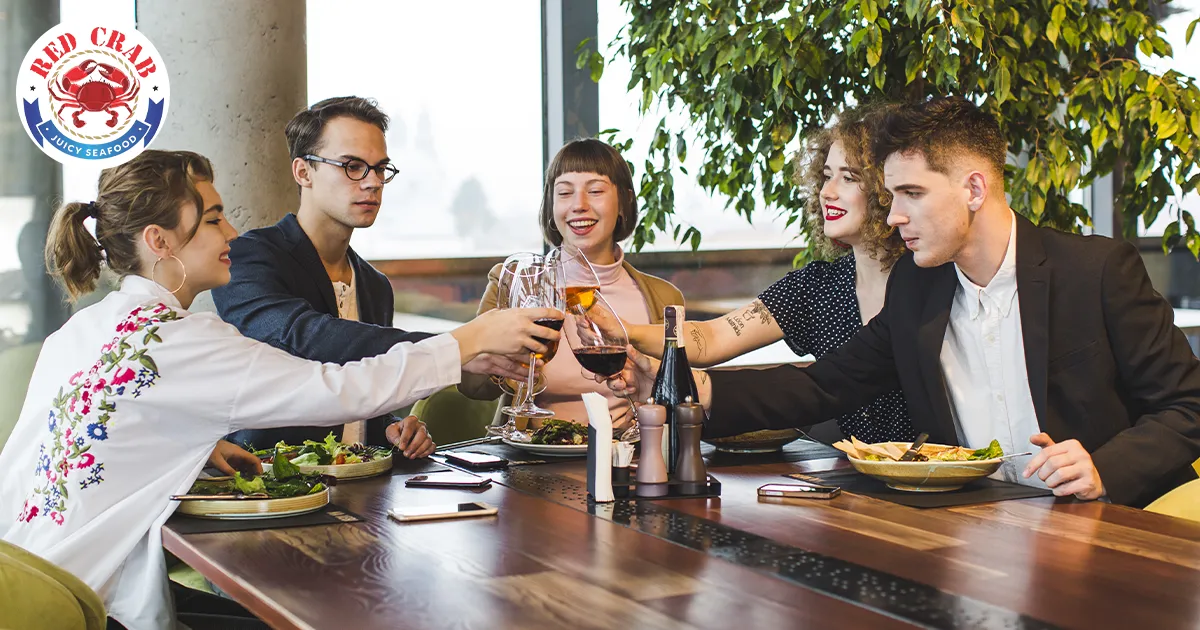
x=817, y=309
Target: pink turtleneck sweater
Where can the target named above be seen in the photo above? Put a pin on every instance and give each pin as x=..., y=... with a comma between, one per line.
x=565, y=377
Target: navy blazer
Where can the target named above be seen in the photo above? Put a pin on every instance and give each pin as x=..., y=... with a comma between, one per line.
x=280, y=294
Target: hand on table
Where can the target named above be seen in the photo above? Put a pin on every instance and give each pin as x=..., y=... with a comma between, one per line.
x=411, y=438
x=1066, y=467
x=229, y=458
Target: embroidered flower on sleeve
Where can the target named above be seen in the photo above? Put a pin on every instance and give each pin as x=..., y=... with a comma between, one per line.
x=83, y=412
x=97, y=431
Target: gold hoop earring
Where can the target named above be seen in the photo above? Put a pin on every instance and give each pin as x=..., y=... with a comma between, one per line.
x=181, y=266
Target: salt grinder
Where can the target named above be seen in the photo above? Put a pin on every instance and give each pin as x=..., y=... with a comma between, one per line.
x=652, y=467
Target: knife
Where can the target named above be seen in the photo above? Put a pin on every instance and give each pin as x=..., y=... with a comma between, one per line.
x=911, y=453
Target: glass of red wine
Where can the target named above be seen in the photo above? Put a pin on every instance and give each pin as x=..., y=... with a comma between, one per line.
x=598, y=340
x=526, y=281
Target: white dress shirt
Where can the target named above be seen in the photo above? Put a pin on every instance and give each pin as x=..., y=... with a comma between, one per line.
x=125, y=404
x=983, y=362
x=347, y=303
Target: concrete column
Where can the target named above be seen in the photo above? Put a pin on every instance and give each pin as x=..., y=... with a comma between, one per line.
x=30, y=181
x=238, y=72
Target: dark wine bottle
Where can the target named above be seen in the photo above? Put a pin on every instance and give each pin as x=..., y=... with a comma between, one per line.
x=674, y=382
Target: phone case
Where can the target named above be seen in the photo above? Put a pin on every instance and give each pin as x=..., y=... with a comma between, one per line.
x=489, y=511
x=424, y=481
x=458, y=461
x=824, y=493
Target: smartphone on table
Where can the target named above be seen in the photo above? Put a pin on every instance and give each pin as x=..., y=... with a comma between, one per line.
x=475, y=461
x=798, y=491
x=448, y=480
x=407, y=513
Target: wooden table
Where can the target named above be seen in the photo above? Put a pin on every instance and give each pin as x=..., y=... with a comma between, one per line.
x=854, y=562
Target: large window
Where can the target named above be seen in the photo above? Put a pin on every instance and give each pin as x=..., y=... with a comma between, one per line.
x=461, y=81
x=722, y=229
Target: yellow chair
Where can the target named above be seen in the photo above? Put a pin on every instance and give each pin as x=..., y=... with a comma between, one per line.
x=1182, y=502
x=452, y=417
x=36, y=594
x=16, y=364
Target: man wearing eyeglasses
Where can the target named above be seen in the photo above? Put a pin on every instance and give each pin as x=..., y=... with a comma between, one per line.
x=299, y=286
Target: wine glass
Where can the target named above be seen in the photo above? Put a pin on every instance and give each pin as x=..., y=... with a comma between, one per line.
x=598, y=340
x=527, y=282
x=577, y=280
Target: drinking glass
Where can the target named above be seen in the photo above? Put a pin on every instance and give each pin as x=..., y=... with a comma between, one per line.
x=527, y=282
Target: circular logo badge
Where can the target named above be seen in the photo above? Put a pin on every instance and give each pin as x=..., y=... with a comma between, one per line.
x=93, y=93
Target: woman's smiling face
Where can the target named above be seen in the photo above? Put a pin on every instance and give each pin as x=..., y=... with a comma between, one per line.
x=586, y=207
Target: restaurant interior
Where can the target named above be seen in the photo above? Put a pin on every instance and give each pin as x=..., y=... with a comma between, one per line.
x=489, y=501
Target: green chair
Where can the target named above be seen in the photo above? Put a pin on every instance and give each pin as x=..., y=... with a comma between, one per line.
x=1182, y=502
x=452, y=417
x=36, y=594
x=16, y=364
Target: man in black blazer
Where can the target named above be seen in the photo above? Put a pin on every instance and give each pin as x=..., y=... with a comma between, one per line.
x=282, y=289
x=1092, y=371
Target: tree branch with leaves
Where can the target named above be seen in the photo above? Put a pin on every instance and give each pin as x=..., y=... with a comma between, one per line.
x=755, y=75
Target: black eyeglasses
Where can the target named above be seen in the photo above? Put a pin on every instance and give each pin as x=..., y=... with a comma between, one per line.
x=357, y=169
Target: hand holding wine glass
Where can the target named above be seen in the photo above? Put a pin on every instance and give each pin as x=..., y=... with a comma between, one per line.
x=526, y=281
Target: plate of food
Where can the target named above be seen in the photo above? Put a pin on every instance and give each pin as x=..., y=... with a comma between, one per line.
x=937, y=467
x=284, y=491
x=556, y=438
x=332, y=457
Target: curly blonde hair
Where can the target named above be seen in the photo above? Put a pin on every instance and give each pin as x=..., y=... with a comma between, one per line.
x=853, y=130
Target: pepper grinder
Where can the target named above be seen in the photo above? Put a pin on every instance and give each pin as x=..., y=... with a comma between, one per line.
x=689, y=467
x=652, y=467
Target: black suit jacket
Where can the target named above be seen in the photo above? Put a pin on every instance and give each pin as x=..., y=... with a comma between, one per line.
x=281, y=294
x=1106, y=364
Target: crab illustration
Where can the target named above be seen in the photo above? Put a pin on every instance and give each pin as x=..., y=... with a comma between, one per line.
x=113, y=90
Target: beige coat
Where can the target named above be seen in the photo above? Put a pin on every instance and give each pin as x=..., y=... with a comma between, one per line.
x=656, y=291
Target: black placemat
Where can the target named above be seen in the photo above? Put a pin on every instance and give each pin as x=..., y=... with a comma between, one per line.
x=329, y=515
x=980, y=491
x=798, y=451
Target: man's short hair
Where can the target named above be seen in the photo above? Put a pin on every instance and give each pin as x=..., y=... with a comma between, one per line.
x=304, y=130
x=940, y=130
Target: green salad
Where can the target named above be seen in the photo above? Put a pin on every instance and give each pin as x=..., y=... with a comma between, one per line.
x=327, y=452
x=560, y=433
x=283, y=480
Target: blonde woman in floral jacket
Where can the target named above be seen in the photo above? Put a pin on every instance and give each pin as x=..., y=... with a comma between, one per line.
x=130, y=397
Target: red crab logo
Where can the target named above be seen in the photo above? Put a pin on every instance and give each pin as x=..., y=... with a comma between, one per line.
x=79, y=90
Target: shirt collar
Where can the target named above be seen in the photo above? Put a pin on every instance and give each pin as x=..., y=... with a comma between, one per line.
x=138, y=285
x=1003, y=287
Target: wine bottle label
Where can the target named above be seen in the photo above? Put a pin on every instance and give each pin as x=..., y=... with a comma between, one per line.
x=672, y=318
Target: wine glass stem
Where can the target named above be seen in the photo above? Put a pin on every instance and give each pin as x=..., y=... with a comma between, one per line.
x=532, y=378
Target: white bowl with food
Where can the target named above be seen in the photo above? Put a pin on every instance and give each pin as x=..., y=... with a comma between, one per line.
x=944, y=467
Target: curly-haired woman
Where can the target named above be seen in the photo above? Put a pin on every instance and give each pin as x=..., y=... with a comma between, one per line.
x=819, y=307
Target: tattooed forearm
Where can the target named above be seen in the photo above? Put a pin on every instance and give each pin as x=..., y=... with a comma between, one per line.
x=759, y=310
x=736, y=324
x=698, y=341
x=701, y=376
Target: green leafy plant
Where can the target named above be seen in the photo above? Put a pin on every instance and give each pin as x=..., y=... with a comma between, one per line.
x=1062, y=77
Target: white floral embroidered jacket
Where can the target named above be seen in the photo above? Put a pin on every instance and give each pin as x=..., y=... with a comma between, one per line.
x=127, y=401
